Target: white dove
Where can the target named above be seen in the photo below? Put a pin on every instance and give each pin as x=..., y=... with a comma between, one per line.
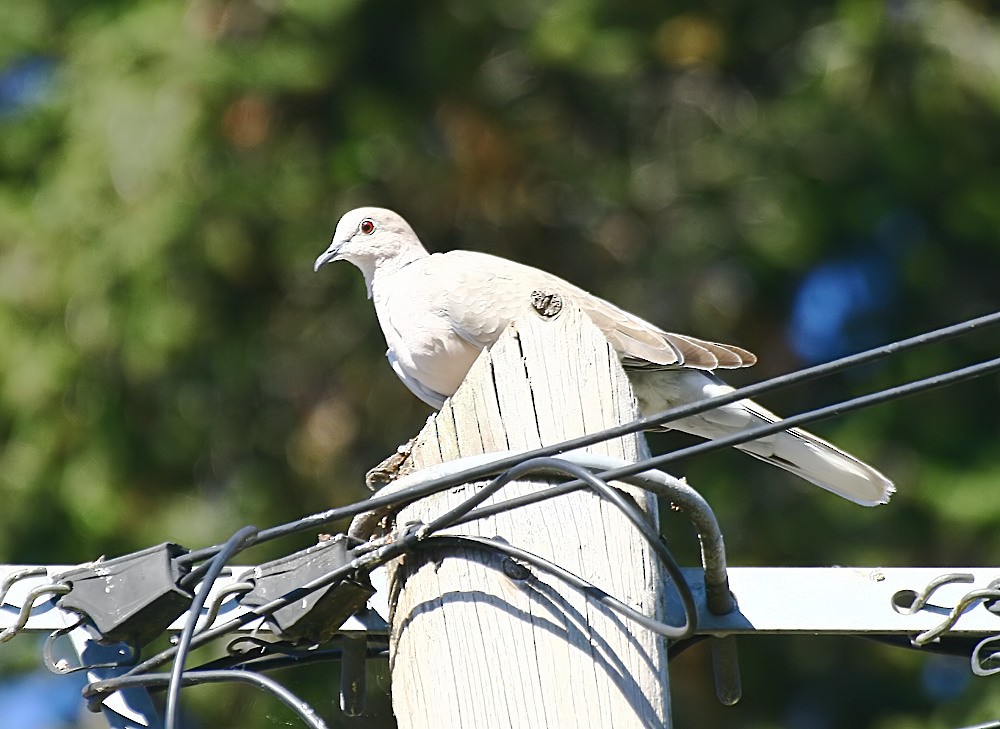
x=438, y=312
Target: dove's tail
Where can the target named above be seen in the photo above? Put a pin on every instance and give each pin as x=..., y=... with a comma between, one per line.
x=794, y=450
x=823, y=464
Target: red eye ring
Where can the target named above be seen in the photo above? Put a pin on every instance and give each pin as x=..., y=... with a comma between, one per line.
x=367, y=226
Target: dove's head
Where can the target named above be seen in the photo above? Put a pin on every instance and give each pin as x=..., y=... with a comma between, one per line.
x=374, y=240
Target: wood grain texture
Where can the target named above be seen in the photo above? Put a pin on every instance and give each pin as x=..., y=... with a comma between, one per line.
x=471, y=647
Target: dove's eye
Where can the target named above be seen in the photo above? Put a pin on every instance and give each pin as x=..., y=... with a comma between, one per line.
x=367, y=226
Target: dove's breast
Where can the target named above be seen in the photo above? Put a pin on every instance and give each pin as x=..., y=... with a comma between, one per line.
x=425, y=349
x=439, y=312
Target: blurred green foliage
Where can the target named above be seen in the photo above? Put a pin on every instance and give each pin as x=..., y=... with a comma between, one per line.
x=171, y=369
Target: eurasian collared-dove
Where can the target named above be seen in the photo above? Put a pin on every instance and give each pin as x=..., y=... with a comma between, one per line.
x=439, y=311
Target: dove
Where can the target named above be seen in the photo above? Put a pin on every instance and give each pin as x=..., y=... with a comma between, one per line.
x=439, y=311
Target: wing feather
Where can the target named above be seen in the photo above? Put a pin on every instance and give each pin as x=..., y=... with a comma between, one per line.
x=481, y=294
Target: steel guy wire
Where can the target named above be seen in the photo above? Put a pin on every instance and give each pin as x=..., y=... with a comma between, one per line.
x=643, y=423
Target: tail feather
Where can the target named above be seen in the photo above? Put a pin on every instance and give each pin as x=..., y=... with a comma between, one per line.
x=794, y=450
x=825, y=465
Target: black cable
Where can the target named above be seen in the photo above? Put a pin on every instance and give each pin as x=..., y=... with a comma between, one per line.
x=718, y=597
x=811, y=416
x=573, y=580
x=750, y=434
x=389, y=552
x=192, y=678
x=269, y=661
x=234, y=544
x=401, y=545
x=675, y=649
x=322, y=518
x=603, y=490
x=450, y=517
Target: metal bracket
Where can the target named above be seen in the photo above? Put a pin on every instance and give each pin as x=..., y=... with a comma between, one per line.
x=132, y=598
x=847, y=600
x=319, y=614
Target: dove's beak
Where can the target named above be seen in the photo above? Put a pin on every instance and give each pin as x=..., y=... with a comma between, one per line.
x=328, y=255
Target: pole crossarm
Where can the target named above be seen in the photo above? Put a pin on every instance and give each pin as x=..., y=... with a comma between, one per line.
x=46, y=616
x=770, y=600
x=849, y=600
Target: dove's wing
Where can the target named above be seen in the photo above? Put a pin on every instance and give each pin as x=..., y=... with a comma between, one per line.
x=488, y=292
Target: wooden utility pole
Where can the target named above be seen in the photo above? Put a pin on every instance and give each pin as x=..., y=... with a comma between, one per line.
x=479, y=643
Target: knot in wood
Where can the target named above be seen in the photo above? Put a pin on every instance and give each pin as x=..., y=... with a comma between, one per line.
x=515, y=570
x=546, y=303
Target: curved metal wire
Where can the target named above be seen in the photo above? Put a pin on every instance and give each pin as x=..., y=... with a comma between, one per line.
x=28, y=605
x=219, y=600
x=921, y=598
x=991, y=592
x=713, y=552
x=59, y=667
x=980, y=662
x=16, y=576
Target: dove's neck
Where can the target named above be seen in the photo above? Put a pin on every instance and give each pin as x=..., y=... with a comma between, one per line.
x=377, y=269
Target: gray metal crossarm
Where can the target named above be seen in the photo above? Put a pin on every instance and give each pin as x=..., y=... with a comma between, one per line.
x=28, y=605
x=46, y=616
x=778, y=600
x=849, y=600
x=922, y=603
